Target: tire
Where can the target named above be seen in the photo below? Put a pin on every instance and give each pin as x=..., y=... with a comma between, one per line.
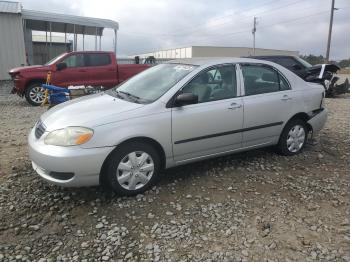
x=132, y=168
x=293, y=137
x=34, y=94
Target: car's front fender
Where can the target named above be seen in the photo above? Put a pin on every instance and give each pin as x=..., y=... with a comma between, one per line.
x=154, y=126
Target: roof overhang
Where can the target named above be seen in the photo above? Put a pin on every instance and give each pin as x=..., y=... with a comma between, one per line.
x=62, y=23
x=10, y=7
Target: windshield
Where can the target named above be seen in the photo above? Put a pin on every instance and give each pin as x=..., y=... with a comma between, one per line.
x=152, y=83
x=54, y=60
x=303, y=62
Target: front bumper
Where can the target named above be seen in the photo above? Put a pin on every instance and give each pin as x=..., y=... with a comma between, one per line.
x=318, y=120
x=19, y=86
x=83, y=166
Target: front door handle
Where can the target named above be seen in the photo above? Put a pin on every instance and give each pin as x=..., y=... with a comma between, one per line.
x=286, y=98
x=82, y=71
x=235, y=106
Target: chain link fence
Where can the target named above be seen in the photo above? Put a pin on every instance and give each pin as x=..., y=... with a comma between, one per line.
x=5, y=87
x=17, y=118
x=14, y=108
x=7, y=99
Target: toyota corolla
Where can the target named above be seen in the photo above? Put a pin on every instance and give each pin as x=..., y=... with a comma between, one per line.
x=171, y=114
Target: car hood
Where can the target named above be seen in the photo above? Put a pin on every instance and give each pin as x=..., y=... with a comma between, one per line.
x=87, y=111
x=29, y=69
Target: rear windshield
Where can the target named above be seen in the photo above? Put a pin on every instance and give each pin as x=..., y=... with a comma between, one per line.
x=303, y=62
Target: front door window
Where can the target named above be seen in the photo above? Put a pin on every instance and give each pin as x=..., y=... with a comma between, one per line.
x=76, y=60
x=214, y=84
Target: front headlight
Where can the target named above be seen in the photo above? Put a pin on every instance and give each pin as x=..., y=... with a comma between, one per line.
x=69, y=136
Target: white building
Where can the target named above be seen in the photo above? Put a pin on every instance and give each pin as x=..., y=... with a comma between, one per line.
x=213, y=51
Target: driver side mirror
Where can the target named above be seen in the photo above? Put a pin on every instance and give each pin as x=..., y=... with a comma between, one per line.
x=186, y=99
x=296, y=67
x=61, y=66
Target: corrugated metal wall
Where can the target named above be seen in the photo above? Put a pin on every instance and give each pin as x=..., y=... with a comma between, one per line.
x=40, y=51
x=12, y=52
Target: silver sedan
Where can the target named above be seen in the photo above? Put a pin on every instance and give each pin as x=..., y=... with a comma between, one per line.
x=171, y=114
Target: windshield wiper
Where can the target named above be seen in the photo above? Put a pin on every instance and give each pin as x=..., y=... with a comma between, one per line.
x=129, y=95
x=118, y=94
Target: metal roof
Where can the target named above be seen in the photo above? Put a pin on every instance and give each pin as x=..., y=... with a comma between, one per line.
x=40, y=21
x=62, y=23
x=10, y=7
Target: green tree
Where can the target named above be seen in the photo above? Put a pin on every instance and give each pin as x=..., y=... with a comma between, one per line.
x=344, y=63
x=314, y=60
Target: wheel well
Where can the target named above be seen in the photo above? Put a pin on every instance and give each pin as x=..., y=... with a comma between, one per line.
x=303, y=116
x=32, y=81
x=148, y=140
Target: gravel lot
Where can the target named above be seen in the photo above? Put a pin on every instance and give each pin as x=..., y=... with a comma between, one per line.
x=256, y=206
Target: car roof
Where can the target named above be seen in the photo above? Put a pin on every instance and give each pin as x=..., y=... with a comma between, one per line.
x=272, y=56
x=207, y=61
x=90, y=52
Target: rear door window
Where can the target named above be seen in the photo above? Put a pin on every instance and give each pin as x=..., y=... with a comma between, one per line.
x=98, y=59
x=284, y=85
x=260, y=79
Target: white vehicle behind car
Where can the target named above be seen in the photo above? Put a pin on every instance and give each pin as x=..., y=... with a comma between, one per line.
x=171, y=114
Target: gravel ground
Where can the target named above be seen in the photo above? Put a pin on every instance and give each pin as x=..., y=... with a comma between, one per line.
x=255, y=206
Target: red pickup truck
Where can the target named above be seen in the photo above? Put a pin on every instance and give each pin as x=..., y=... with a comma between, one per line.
x=89, y=68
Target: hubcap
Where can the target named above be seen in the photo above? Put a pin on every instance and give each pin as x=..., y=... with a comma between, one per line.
x=135, y=170
x=37, y=94
x=296, y=138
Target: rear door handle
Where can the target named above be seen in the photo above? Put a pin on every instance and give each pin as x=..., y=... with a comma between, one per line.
x=286, y=98
x=235, y=106
x=82, y=70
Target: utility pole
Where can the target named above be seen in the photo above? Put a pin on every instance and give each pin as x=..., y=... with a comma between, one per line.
x=330, y=31
x=253, y=32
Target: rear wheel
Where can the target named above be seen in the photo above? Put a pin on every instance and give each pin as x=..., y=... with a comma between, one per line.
x=35, y=94
x=132, y=168
x=293, y=137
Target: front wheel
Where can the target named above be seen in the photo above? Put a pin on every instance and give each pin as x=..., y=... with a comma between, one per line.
x=35, y=94
x=293, y=137
x=132, y=168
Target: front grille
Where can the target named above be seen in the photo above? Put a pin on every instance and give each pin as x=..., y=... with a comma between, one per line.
x=39, y=129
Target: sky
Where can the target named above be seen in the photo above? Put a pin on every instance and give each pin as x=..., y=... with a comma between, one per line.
x=151, y=25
